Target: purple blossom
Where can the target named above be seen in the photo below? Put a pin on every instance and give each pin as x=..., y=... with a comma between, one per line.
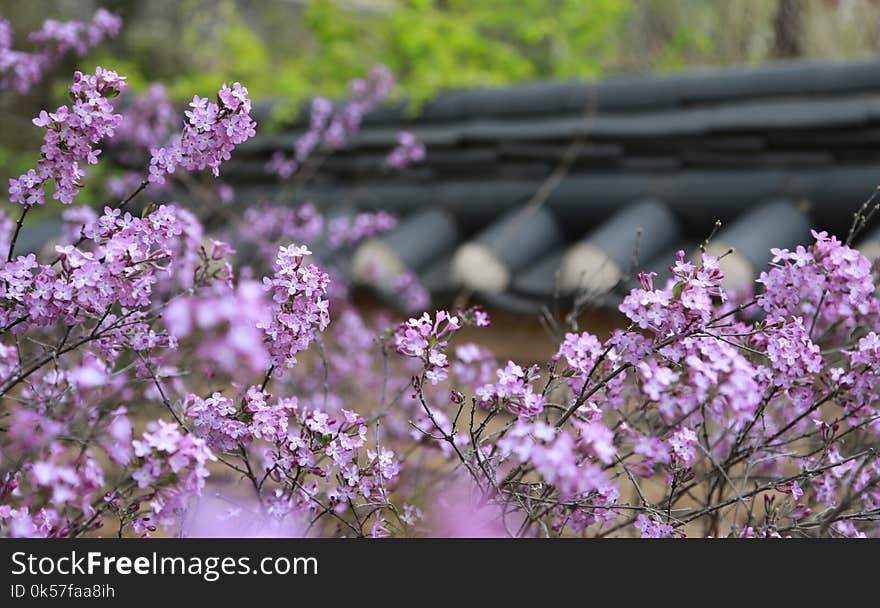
x=557, y=456
x=173, y=465
x=651, y=527
x=792, y=354
x=71, y=131
x=829, y=281
x=226, y=426
x=408, y=151
x=513, y=391
x=683, y=446
x=211, y=133
x=686, y=300
x=581, y=353
x=426, y=339
x=300, y=308
x=349, y=230
x=129, y=255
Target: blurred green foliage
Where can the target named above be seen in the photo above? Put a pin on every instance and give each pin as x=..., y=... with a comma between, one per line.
x=430, y=45
x=299, y=48
x=294, y=50
x=438, y=45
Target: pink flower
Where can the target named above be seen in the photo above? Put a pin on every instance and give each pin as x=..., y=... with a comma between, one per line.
x=650, y=527
x=211, y=134
x=409, y=151
x=70, y=134
x=513, y=391
x=300, y=308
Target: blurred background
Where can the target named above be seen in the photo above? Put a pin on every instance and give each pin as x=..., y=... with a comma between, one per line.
x=296, y=49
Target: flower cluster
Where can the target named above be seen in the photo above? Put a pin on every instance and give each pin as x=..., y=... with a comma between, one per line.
x=828, y=281
x=226, y=426
x=351, y=229
x=426, y=339
x=563, y=461
x=685, y=301
x=683, y=446
x=123, y=268
x=652, y=527
x=71, y=131
x=339, y=466
x=513, y=391
x=21, y=70
x=173, y=465
x=862, y=378
x=792, y=353
x=582, y=353
x=409, y=151
x=300, y=308
x=702, y=371
x=212, y=132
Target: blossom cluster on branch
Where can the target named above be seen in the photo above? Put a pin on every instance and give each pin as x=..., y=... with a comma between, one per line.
x=155, y=381
x=212, y=131
x=71, y=131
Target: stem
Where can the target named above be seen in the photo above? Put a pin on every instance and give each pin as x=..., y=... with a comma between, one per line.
x=18, y=225
x=119, y=205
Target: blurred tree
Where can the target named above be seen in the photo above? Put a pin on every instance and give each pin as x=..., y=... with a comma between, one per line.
x=433, y=45
x=788, y=29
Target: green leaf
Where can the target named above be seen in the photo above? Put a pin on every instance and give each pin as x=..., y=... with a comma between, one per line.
x=677, y=289
x=150, y=208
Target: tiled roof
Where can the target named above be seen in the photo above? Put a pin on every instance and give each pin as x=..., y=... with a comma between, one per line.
x=650, y=165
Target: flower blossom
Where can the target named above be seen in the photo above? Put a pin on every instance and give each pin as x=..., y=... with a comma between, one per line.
x=408, y=151
x=300, y=308
x=71, y=132
x=173, y=465
x=211, y=133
